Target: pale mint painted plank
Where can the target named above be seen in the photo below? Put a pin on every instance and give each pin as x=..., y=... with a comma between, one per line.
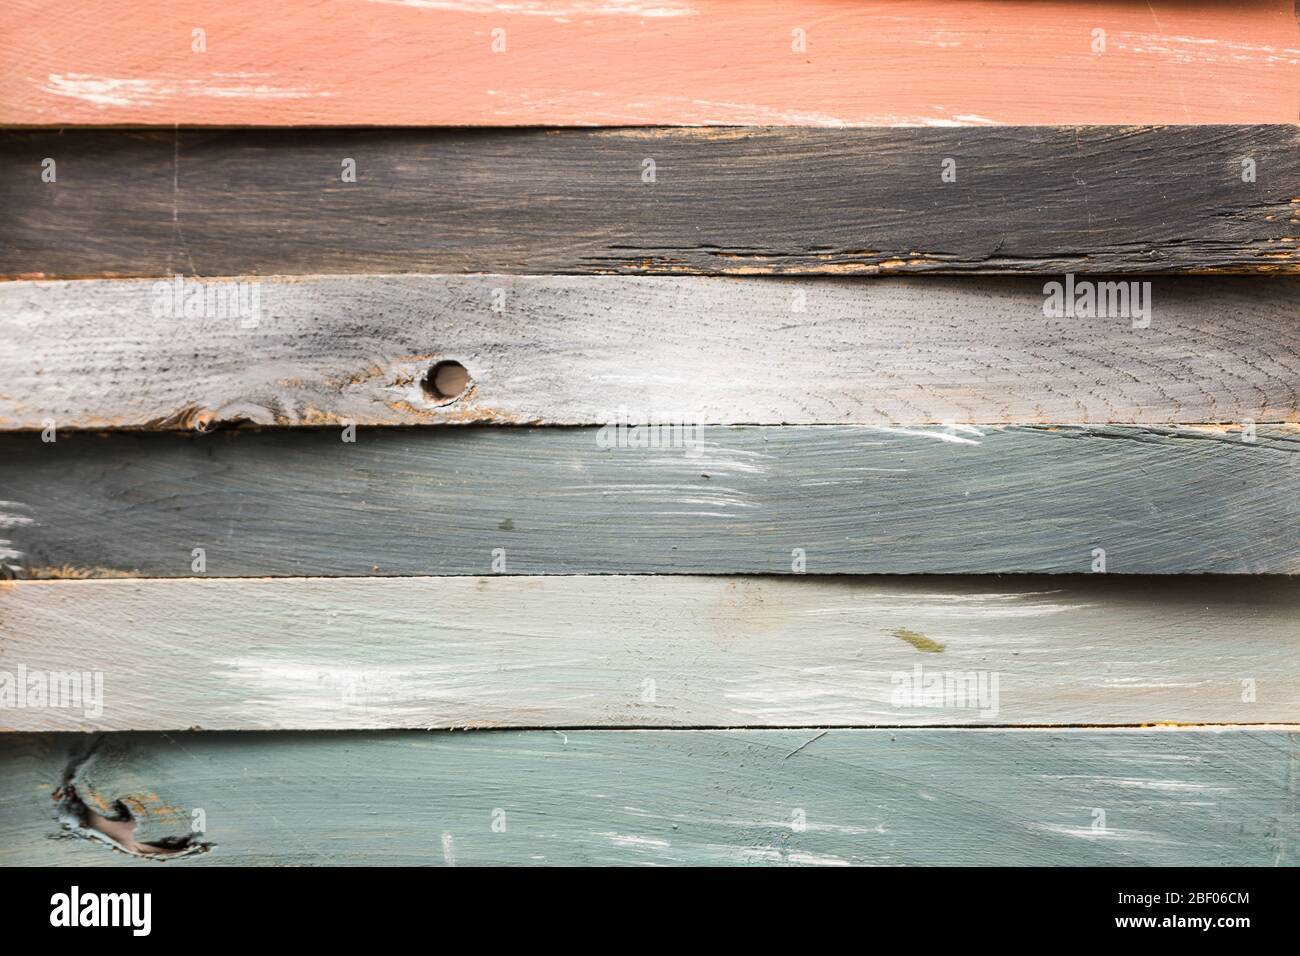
x=572, y=350
x=734, y=500
x=566, y=651
x=1080, y=797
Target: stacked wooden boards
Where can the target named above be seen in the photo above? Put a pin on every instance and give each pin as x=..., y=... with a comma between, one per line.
x=653, y=459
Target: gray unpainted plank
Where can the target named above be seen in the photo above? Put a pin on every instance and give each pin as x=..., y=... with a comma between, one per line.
x=574, y=350
x=647, y=651
x=834, y=797
x=723, y=201
x=782, y=499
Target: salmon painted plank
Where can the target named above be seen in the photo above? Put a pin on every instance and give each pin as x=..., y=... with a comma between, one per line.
x=649, y=62
x=646, y=651
x=712, y=500
x=574, y=350
x=774, y=797
x=1042, y=200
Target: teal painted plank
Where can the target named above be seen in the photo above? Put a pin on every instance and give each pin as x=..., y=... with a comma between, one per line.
x=1079, y=797
x=831, y=500
x=650, y=651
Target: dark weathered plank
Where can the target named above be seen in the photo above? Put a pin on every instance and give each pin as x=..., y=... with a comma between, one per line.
x=649, y=650
x=837, y=797
x=573, y=350
x=1025, y=199
x=727, y=500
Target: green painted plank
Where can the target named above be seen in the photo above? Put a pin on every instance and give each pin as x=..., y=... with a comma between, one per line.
x=838, y=500
x=1078, y=797
x=647, y=651
x=1034, y=199
x=573, y=350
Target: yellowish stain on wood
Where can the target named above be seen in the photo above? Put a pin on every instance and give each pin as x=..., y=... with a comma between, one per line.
x=918, y=640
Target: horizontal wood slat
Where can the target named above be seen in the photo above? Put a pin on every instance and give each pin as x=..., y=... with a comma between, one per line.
x=618, y=62
x=717, y=500
x=833, y=797
x=574, y=350
x=1041, y=200
x=349, y=653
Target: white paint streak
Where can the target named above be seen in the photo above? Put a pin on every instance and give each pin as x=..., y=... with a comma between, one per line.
x=9, y=555
x=544, y=8
x=271, y=691
x=120, y=91
x=635, y=842
x=1090, y=833
x=728, y=113
x=953, y=434
x=1186, y=49
x=1133, y=783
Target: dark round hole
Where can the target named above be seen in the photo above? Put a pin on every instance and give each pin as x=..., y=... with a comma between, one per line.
x=445, y=381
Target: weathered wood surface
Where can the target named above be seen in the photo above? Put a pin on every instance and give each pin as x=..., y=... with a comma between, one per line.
x=620, y=62
x=1081, y=797
x=1040, y=200
x=832, y=499
x=352, y=653
x=573, y=350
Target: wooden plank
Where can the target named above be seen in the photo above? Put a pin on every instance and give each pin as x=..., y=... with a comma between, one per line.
x=1042, y=200
x=357, y=654
x=890, y=797
x=573, y=350
x=564, y=62
x=712, y=500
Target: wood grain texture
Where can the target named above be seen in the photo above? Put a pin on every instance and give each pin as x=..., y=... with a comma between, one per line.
x=573, y=350
x=364, y=654
x=731, y=201
x=1173, y=797
x=855, y=500
x=621, y=62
